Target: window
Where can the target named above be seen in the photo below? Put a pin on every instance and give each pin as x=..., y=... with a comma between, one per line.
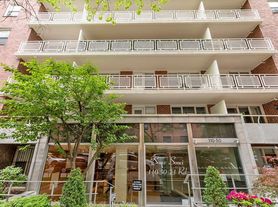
x=273, y=4
x=249, y=113
x=189, y=110
x=144, y=110
x=4, y=34
x=12, y=10
x=213, y=130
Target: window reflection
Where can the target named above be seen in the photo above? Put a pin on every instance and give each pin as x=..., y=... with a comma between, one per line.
x=166, y=133
x=226, y=160
x=266, y=156
x=213, y=130
x=117, y=166
x=57, y=168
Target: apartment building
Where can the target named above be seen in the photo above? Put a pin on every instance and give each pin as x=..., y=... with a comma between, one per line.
x=201, y=86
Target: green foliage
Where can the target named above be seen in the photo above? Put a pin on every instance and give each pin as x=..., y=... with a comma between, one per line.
x=215, y=189
x=102, y=6
x=63, y=102
x=11, y=173
x=31, y=201
x=74, y=190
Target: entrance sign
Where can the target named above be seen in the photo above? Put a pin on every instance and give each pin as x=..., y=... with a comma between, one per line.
x=137, y=185
x=216, y=141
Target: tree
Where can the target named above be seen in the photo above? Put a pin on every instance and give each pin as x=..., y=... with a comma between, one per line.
x=66, y=103
x=215, y=189
x=92, y=6
x=74, y=191
x=267, y=183
x=8, y=174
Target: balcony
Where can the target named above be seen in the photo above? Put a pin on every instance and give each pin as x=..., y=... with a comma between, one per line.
x=222, y=23
x=119, y=54
x=186, y=88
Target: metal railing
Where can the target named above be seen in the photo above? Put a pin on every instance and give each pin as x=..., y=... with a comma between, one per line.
x=169, y=45
x=149, y=16
x=53, y=189
x=192, y=81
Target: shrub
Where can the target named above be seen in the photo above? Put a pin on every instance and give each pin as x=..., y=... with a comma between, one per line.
x=74, y=192
x=11, y=173
x=31, y=201
x=215, y=189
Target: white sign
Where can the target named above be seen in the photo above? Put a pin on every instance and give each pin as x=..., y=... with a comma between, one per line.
x=216, y=141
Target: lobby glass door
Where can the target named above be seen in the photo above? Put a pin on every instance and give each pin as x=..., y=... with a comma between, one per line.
x=167, y=168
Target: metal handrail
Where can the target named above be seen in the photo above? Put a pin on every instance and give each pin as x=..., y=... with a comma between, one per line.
x=163, y=15
x=193, y=81
x=169, y=45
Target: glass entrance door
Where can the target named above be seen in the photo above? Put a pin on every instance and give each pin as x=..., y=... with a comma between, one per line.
x=167, y=168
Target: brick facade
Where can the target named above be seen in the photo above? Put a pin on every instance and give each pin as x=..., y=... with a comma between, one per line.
x=267, y=29
x=128, y=109
x=163, y=109
x=271, y=108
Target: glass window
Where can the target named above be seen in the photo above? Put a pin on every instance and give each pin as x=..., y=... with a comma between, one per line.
x=226, y=160
x=176, y=110
x=117, y=165
x=161, y=133
x=232, y=110
x=201, y=110
x=4, y=34
x=138, y=110
x=273, y=4
x=57, y=168
x=188, y=110
x=12, y=10
x=266, y=156
x=166, y=174
x=150, y=110
x=213, y=130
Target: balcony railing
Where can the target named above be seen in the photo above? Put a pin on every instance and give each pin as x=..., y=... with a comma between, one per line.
x=181, y=45
x=191, y=82
x=150, y=16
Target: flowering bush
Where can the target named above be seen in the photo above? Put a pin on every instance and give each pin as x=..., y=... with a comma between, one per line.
x=244, y=199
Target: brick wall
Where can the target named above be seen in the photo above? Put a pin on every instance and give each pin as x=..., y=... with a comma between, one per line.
x=163, y=109
x=271, y=108
x=128, y=109
x=267, y=29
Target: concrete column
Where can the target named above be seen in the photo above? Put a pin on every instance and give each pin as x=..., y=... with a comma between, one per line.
x=246, y=154
x=37, y=165
x=193, y=166
x=207, y=33
x=214, y=74
x=219, y=108
x=142, y=166
x=121, y=170
x=90, y=176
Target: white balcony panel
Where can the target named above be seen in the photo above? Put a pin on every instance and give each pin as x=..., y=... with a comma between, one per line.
x=62, y=17
x=35, y=46
x=121, y=45
x=185, y=15
x=226, y=14
x=270, y=80
x=224, y=81
x=123, y=16
x=213, y=45
x=144, y=81
x=247, y=81
x=196, y=81
x=75, y=46
x=236, y=44
x=98, y=46
x=144, y=45
x=53, y=46
x=165, y=15
x=166, y=45
x=190, y=45
x=120, y=82
x=207, y=14
x=247, y=14
x=144, y=16
x=168, y=82
x=260, y=44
